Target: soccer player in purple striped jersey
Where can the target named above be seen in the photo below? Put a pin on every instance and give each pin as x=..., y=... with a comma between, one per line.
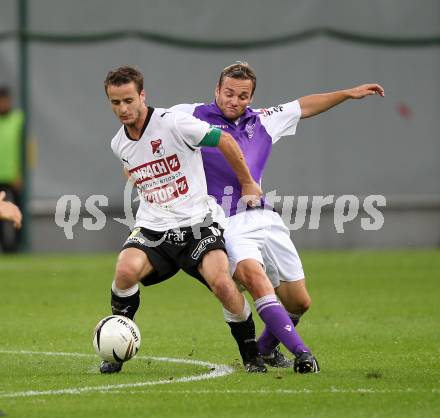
x=261, y=254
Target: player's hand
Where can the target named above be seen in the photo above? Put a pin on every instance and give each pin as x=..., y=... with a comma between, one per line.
x=9, y=211
x=366, y=90
x=251, y=193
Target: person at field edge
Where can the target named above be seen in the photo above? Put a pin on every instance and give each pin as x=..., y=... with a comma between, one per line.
x=262, y=256
x=178, y=226
x=11, y=131
x=10, y=212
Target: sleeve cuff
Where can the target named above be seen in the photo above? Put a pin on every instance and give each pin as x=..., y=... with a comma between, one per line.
x=211, y=139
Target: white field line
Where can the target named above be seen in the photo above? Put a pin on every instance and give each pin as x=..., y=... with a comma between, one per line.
x=216, y=370
x=220, y=370
x=281, y=391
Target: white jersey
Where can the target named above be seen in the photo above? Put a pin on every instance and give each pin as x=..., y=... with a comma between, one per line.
x=166, y=166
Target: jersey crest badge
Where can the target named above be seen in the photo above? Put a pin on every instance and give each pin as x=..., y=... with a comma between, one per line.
x=250, y=130
x=157, y=148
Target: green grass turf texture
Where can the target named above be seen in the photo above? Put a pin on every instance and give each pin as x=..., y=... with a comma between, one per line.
x=374, y=326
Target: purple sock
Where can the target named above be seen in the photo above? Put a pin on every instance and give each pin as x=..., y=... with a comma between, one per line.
x=279, y=327
x=267, y=342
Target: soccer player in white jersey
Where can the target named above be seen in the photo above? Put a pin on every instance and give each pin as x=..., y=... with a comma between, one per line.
x=178, y=226
x=261, y=254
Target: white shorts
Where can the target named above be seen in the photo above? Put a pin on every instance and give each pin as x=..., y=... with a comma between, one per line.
x=261, y=235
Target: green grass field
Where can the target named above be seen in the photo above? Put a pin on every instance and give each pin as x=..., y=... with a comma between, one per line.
x=374, y=326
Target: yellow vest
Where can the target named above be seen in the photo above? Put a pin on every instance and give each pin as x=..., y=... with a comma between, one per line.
x=11, y=128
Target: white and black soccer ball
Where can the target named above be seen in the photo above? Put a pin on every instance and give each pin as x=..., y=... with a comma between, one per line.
x=116, y=338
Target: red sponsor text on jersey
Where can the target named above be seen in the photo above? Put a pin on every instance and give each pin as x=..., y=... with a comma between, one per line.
x=156, y=169
x=166, y=193
x=173, y=162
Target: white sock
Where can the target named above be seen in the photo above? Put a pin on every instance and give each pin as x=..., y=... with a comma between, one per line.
x=124, y=293
x=230, y=317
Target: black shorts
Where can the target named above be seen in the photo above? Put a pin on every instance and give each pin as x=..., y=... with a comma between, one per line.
x=172, y=250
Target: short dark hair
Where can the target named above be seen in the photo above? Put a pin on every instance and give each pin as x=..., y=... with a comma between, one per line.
x=124, y=75
x=240, y=71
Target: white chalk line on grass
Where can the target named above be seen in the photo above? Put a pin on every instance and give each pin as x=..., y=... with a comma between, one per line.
x=280, y=391
x=216, y=370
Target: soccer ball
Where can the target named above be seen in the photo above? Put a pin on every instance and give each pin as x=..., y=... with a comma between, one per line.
x=116, y=338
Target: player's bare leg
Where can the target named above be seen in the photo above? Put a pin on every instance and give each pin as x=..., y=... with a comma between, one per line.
x=279, y=326
x=295, y=298
x=214, y=268
x=131, y=267
x=252, y=276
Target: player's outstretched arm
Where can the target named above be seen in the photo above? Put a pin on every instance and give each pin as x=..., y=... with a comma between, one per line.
x=235, y=158
x=317, y=103
x=9, y=211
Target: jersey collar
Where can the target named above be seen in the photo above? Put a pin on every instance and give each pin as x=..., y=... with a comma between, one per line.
x=147, y=121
